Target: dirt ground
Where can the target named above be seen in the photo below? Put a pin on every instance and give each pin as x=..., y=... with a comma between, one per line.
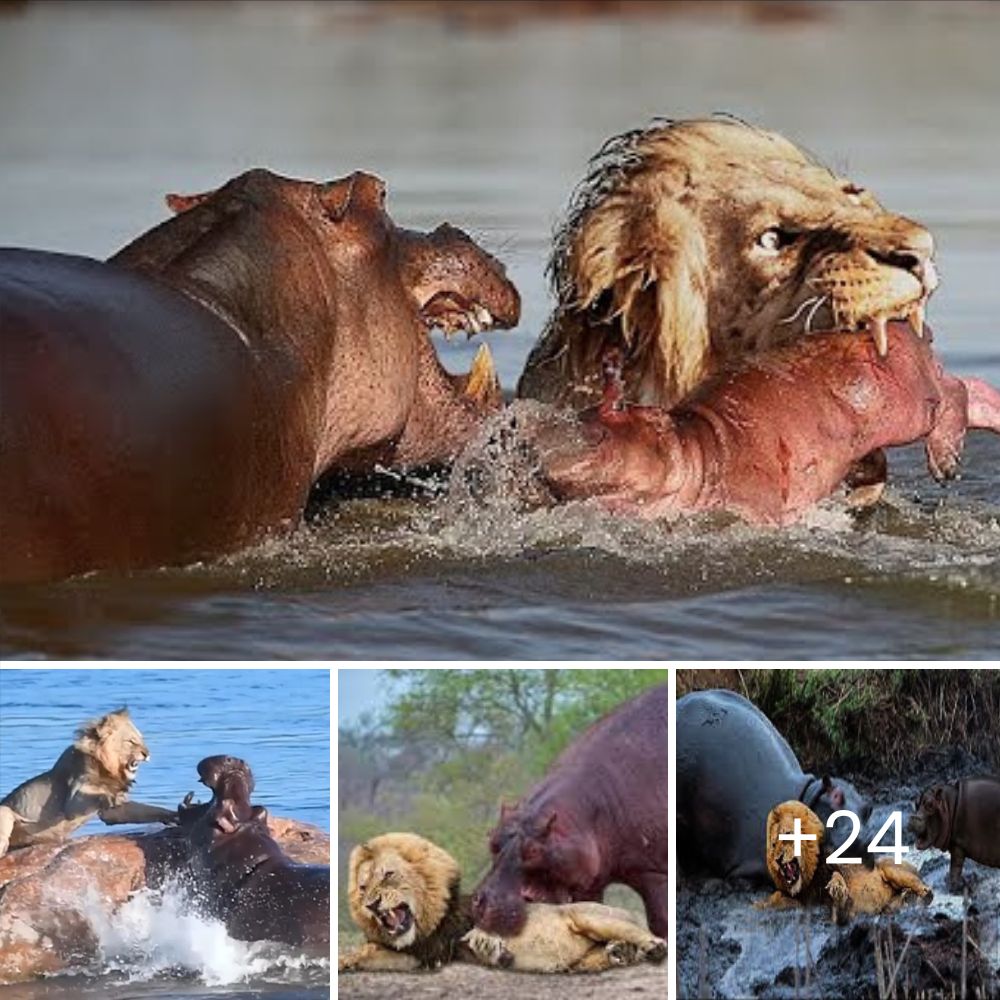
x=460, y=980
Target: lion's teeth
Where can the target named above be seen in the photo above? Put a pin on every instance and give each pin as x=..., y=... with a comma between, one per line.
x=879, y=330
x=916, y=318
x=473, y=320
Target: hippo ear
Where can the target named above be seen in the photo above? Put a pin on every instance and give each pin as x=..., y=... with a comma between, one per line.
x=178, y=203
x=336, y=197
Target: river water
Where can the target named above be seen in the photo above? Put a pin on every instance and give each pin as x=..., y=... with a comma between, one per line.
x=276, y=720
x=105, y=108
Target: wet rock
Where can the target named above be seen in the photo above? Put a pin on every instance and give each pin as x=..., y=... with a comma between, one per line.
x=48, y=892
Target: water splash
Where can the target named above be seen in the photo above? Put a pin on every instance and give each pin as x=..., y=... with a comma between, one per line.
x=162, y=932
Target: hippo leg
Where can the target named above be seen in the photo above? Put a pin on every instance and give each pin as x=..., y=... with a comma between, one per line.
x=866, y=480
x=955, y=880
x=652, y=886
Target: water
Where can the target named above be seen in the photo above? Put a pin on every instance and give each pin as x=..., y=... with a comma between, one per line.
x=156, y=944
x=106, y=108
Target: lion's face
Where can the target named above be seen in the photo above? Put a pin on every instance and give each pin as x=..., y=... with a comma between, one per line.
x=115, y=744
x=399, y=888
x=691, y=243
x=389, y=895
x=792, y=875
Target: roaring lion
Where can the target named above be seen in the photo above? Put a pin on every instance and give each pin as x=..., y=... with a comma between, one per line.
x=691, y=243
x=809, y=878
x=91, y=777
x=569, y=937
x=403, y=893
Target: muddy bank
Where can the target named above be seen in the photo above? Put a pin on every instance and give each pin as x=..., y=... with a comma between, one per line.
x=460, y=980
x=727, y=949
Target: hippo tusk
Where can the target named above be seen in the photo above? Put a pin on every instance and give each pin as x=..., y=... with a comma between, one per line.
x=916, y=317
x=482, y=384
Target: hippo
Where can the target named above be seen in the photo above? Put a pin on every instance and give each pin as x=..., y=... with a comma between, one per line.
x=733, y=767
x=963, y=818
x=244, y=877
x=769, y=439
x=599, y=816
x=178, y=401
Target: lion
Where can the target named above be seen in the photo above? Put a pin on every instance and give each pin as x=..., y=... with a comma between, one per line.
x=404, y=894
x=809, y=878
x=92, y=776
x=690, y=243
x=569, y=937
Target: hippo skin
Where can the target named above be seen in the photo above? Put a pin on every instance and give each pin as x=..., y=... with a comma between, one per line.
x=770, y=438
x=733, y=767
x=599, y=816
x=180, y=400
x=963, y=818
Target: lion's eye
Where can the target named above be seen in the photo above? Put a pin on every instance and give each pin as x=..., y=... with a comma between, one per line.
x=774, y=239
x=389, y=874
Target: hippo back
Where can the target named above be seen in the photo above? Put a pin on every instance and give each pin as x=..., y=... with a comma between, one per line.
x=733, y=766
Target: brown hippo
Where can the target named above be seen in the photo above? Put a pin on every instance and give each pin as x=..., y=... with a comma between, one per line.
x=771, y=438
x=179, y=400
x=599, y=816
x=733, y=768
x=245, y=879
x=963, y=818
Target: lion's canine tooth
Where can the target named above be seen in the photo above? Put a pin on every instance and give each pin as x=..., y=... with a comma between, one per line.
x=878, y=327
x=916, y=318
x=473, y=321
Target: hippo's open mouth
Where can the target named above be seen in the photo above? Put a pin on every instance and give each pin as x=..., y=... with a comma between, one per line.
x=451, y=312
x=791, y=873
x=396, y=921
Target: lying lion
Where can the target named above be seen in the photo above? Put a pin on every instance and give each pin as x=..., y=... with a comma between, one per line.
x=91, y=777
x=571, y=937
x=403, y=893
x=809, y=878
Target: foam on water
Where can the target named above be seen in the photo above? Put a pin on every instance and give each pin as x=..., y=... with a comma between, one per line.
x=161, y=932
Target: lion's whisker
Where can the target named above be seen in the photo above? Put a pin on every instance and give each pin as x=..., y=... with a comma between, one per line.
x=812, y=313
x=798, y=312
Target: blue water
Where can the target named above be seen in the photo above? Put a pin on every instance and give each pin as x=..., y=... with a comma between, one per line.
x=276, y=720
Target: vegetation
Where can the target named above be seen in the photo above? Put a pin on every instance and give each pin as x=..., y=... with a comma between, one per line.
x=878, y=720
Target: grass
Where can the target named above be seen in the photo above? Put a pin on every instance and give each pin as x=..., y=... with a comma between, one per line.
x=845, y=718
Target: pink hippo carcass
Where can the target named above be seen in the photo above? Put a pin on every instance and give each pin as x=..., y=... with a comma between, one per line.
x=770, y=439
